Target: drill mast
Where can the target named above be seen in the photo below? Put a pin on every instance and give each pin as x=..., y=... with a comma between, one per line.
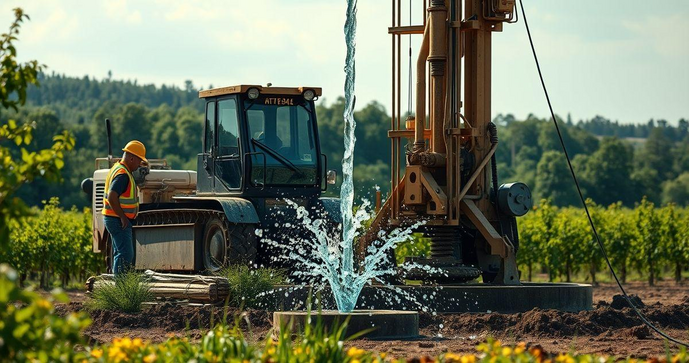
x=440, y=165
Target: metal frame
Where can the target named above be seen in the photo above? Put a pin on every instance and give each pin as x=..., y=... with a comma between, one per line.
x=459, y=34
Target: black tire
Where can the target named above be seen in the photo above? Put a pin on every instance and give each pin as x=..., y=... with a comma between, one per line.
x=226, y=243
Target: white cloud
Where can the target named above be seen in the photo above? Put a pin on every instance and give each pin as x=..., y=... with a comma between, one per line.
x=667, y=36
x=58, y=26
x=119, y=10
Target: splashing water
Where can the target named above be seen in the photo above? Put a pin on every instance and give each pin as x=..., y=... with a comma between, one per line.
x=347, y=188
x=323, y=257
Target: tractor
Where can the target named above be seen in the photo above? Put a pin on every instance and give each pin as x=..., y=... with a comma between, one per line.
x=260, y=148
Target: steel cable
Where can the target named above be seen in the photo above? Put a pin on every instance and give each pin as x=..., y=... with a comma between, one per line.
x=581, y=195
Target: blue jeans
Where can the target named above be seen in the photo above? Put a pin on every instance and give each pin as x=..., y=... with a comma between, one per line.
x=122, y=245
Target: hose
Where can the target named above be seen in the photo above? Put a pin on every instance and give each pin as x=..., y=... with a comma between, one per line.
x=581, y=195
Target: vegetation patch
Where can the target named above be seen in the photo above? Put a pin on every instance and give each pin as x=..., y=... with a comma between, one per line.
x=251, y=288
x=126, y=294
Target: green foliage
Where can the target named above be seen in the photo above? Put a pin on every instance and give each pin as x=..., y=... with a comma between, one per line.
x=554, y=180
x=650, y=239
x=416, y=246
x=18, y=164
x=250, y=287
x=29, y=329
x=677, y=190
x=610, y=166
x=125, y=293
x=53, y=242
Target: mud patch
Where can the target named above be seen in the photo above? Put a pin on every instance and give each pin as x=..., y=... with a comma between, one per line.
x=551, y=323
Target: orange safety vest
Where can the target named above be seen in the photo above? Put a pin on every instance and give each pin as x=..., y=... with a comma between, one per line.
x=129, y=200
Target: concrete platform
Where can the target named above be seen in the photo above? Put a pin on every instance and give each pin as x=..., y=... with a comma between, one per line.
x=385, y=324
x=454, y=298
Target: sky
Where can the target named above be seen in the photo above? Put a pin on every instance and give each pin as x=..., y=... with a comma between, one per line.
x=626, y=60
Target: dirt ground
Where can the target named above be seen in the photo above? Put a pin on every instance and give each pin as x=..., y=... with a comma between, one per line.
x=610, y=328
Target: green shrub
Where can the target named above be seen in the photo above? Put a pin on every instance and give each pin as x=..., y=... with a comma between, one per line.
x=126, y=293
x=29, y=331
x=251, y=287
x=415, y=246
x=51, y=243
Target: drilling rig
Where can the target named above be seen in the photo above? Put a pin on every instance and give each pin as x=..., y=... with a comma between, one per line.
x=443, y=166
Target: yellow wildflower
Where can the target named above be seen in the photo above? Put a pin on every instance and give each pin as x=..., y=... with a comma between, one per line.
x=44, y=304
x=150, y=358
x=115, y=354
x=506, y=351
x=468, y=359
x=355, y=360
x=383, y=355
x=271, y=350
x=126, y=343
x=564, y=358
x=298, y=350
x=536, y=351
x=97, y=353
x=138, y=343
x=452, y=357
x=520, y=348
x=355, y=352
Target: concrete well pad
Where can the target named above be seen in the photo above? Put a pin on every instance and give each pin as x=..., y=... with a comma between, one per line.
x=461, y=298
x=386, y=324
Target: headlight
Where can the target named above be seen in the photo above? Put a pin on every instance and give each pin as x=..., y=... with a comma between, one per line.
x=309, y=95
x=253, y=93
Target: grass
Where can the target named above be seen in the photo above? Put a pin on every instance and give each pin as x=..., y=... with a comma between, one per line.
x=127, y=294
x=251, y=287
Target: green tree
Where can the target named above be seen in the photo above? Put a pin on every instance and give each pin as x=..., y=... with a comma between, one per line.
x=677, y=190
x=530, y=250
x=18, y=165
x=554, y=180
x=546, y=237
x=675, y=241
x=608, y=173
x=657, y=155
x=618, y=236
x=569, y=241
x=646, y=184
x=648, y=243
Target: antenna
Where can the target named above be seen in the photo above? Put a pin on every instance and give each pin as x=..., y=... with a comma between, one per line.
x=109, y=138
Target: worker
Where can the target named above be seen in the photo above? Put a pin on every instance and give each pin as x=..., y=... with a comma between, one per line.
x=122, y=205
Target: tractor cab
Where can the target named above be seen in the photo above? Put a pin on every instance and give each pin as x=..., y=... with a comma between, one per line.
x=261, y=142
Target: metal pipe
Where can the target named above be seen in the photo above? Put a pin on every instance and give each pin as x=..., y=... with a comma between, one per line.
x=478, y=170
x=438, y=60
x=420, y=117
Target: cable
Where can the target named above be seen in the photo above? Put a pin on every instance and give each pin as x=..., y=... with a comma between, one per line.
x=581, y=195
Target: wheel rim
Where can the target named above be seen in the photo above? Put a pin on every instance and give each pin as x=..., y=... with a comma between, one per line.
x=215, y=249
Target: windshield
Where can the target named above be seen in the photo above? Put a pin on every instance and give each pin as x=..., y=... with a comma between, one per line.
x=282, y=129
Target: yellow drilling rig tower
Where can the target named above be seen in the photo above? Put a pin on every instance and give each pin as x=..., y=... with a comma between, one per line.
x=443, y=157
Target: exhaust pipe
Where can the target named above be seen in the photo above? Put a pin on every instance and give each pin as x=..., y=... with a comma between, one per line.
x=109, y=137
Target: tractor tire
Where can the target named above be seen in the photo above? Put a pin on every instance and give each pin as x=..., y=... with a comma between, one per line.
x=108, y=254
x=226, y=243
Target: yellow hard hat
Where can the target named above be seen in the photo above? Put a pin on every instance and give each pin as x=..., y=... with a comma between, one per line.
x=137, y=148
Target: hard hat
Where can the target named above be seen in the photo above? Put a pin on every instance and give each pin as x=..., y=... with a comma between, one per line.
x=137, y=148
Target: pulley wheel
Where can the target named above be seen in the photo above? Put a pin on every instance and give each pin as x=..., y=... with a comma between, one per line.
x=514, y=199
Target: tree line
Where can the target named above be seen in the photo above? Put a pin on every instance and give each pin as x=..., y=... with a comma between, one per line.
x=169, y=121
